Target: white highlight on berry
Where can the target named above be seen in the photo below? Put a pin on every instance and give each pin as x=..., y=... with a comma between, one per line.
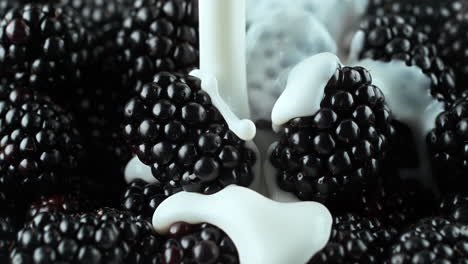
x=222, y=49
x=244, y=129
x=407, y=92
x=305, y=88
x=274, y=48
x=264, y=231
x=136, y=169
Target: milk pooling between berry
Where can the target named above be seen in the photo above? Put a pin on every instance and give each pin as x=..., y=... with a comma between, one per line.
x=264, y=231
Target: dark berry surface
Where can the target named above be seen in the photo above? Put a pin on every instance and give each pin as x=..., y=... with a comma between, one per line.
x=174, y=128
x=431, y=240
x=102, y=237
x=159, y=35
x=8, y=228
x=40, y=146
x=198, y=244
x=356, y=239
x=455, y=207
x=142, y=198
x=448, y=147
x=393, y=38
x=337, y=152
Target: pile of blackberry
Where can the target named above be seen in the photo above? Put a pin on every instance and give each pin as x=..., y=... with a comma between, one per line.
x=392, y=37
x=337, y=153
x=174, y=128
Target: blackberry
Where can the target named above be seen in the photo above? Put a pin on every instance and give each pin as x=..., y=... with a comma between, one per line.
x=40, y=147
x=335, y=154
x=448, y=147
x=456, y=208
x=142, y=198
x=356, y=239
x=431, y=240
x=424, y=15
x=452, y=42
x=8, y=228
x=397, y=203
x=173, y=127
x=159, y=35
x=101, y=237
x=393, y=38
x=198, y=244
x=45, y=48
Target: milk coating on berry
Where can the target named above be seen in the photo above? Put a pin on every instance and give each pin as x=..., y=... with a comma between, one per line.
x=245, y=129
x=263, y=231
x=274, y=48
x=136, y=169
x=305, y=88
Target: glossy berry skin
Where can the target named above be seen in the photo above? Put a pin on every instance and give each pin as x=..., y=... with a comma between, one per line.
x=448, y=147
x=102, y=237
x=8, y=228
x=141, y=198
x=45, y=48
x=356, y=239
x=198, y=244
x=173, y=127
x=455, y=207
x=159, y=35
x=453, y=42
x=431, y=240
x=40, y=146
x=393, y=38
x=427, y=16
x=336, y=154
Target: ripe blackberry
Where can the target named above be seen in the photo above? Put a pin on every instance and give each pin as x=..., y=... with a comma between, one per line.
x=431, y=240
x=45, y=48
x=8, y=228
x=40, y=147
x=198, y=244
x=397, y=203
x=448, y=147
x=424, y=15
x=142, y=198
x=174, y=128
x=336, y=154
x=456, y=208
x=159, y=35
x=452, y=42
x=393, y=38
x=102, y=237
x=356, y=239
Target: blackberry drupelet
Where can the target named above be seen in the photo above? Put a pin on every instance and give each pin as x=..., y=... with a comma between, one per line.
x=452, y=42
x=159, y=35
x=456, y=208
x=8, y=227
x=173, y=127
x=448, y=147
x=40, y=147
x=397, y=202
x=431, y=240
x=198, y=244
x=333, y=156
x=141, y=198
x=355, y=239
x=102, y=237
x=424, y=15
x=45, y=48
x=393, y=38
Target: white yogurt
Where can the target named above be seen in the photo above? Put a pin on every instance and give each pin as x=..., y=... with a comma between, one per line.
x=137, y=170
x=263, y=231
x=274, y=48
x=305, y=88
x=244, y=129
